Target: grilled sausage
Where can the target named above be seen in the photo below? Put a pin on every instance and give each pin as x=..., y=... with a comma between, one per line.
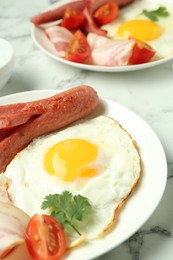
x=17, y=114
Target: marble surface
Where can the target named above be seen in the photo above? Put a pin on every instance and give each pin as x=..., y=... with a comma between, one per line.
x=147, y=92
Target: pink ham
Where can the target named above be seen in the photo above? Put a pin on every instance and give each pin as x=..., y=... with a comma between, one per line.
x=13, y=223
x=110, y=52
x=90, y=25
x=60, y=37
x=96, y=40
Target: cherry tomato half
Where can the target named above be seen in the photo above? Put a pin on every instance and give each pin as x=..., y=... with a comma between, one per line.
x=78, y=48
x=106, y=13
x=141, y=53
x=45, y=238
x=73, y=19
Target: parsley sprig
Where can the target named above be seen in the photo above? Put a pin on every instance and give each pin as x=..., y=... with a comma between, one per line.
x=155, y=14
x=67, y=208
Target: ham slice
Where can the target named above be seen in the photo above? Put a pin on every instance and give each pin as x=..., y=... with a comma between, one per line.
x=96, y=40
x=90, y=25
x=107, y=52
x=13, y=223
x=60, y=37
x=113, y=53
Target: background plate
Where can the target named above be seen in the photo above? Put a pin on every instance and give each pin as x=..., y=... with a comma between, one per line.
x=43, y=43
x=150, y=189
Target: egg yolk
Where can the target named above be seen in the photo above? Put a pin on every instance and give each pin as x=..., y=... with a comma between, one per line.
x=140, y=29
x=71, y=159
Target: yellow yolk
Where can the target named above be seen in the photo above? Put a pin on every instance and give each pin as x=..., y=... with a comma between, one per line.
x=71, y=159
x=140, y=29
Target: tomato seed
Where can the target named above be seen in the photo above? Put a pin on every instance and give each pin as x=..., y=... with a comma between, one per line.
x=36, y=237
x=50, y=227
x=53, y=243
x=106, y=11
x=51, y=249
x=52, y=236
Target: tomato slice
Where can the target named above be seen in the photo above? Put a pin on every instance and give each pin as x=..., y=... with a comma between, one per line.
x=106, y=13
x=73, y=19
x=141, y=53
x=78, y=48
x=45, y=238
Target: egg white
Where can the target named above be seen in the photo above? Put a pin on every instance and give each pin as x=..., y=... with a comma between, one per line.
x=164, y=44
x=28, y=182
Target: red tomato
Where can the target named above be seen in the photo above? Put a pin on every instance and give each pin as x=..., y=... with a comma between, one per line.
x=45, y=238
x=141, y=53
x=72, y=19
x=78, y=48
x=106, y=13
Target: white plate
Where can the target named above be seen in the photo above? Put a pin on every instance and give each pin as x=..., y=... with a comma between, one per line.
x=145, y=198
x=43, y=43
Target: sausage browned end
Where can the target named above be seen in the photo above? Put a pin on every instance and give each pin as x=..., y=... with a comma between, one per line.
x=73, y=105
x=16, y=119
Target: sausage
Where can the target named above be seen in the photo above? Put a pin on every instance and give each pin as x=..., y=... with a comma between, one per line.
x=17, y=114
x=35, y=107
x=57, y=13
x=11, y=108
x=75, y=104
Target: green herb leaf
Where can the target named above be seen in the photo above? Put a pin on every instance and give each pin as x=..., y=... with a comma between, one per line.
x=161, y=11
x=154, y=14
x=82, y=207
x=67, y=208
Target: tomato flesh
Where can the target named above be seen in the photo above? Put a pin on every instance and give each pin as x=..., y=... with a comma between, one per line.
x=106, y=13
x=45, y=238
x=141, y=53
x=78, y=49
x=73, y=19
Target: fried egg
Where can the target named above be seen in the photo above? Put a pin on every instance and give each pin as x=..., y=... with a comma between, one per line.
x=95, y=158
x=132, y=23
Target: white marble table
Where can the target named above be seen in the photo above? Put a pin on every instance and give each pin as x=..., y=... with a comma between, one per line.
x=149, y=93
